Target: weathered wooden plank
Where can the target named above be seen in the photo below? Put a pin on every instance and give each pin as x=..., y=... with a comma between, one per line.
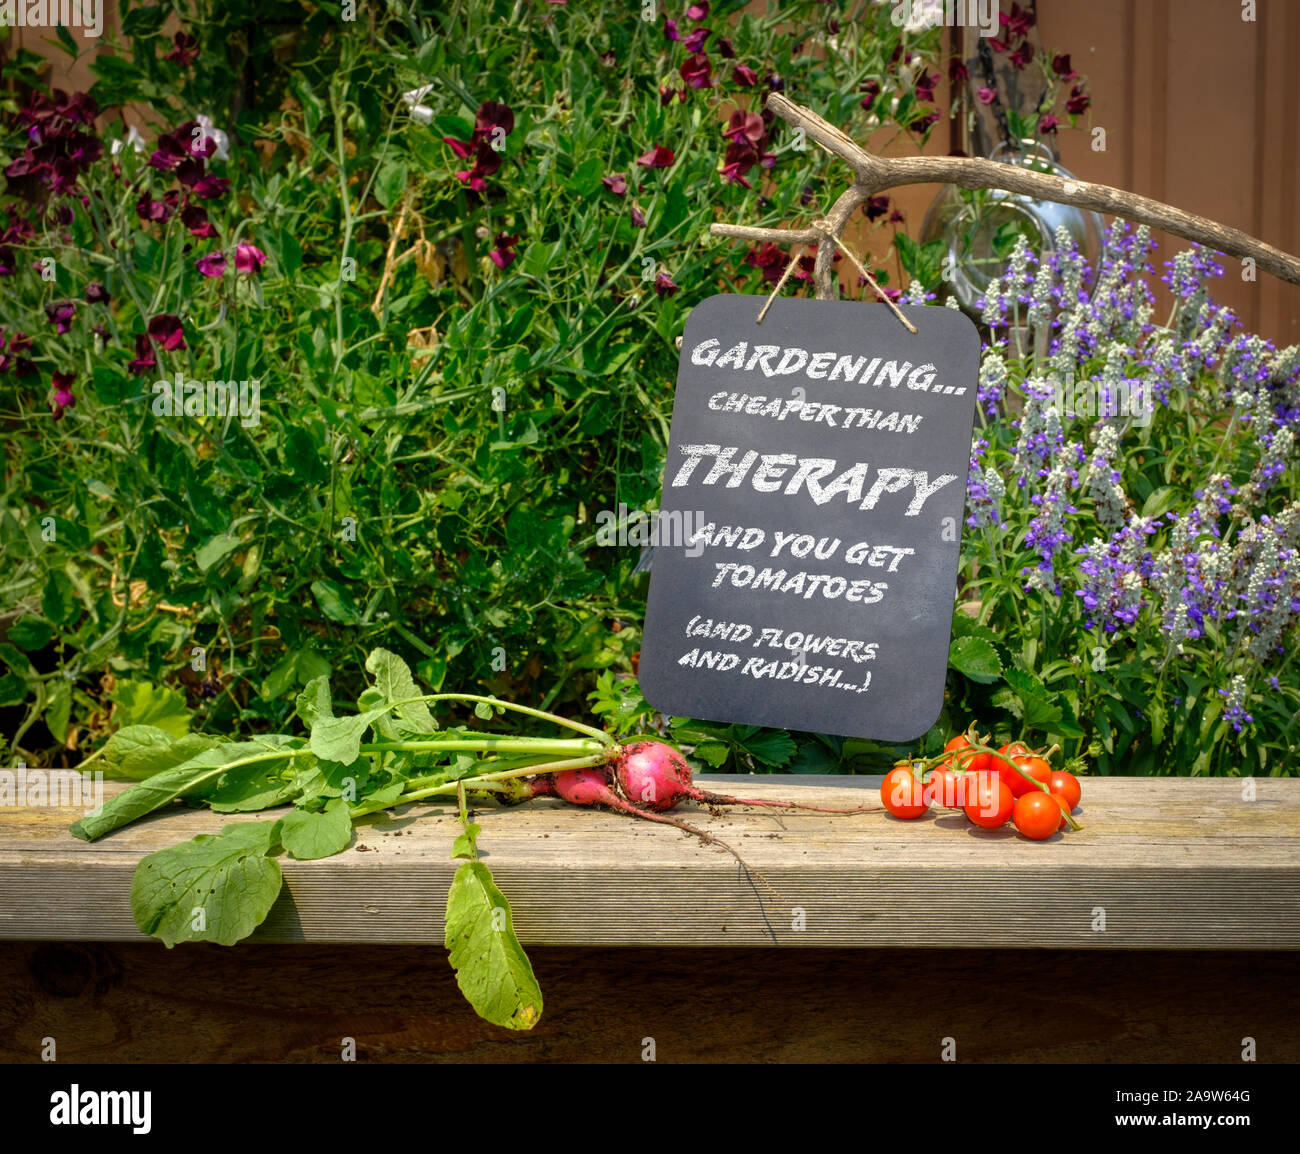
x=1173, y=863
x=137, y=1002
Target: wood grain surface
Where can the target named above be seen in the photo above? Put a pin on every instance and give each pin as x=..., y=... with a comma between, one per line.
x=123, y=1003
x=1173, y=863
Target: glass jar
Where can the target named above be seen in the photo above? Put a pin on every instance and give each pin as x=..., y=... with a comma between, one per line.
x=980, y=226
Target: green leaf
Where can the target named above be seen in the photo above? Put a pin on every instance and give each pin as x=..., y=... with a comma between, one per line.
x=139, y=703
x=212, y=888
x=772, y=747
x=1032, y=703
x=483, y=710
x=492, y=970
x=13, y=690
x=339, y=738
x=390, y=182
x=31, y=633
x=715, y=753
x=193, y=778
x=976, y=658
x=394, y=681
x=336, y=602
x=466, y=843
x=309, y=836
x=314, y=701
x=218, y=547
x=59, y=602
x=137, y=752
x=58, y=708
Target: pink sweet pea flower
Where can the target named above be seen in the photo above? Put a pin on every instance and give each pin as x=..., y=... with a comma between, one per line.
x=249, y=258
x=698, y=12
x=212, y=265
x=616, y=183
x=503, y=256
x=695, y=41
x=63, y=398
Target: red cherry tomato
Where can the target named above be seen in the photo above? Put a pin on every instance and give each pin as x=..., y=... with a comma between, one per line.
x=1066, y=786
x=942, y=786
x=902, y=794
x=972, y=762
x=1037, y=815
x=1036, y=767
x=989, y=803
x=1062, y=803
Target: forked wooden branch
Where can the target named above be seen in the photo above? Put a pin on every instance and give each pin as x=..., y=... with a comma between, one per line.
x=877, y=173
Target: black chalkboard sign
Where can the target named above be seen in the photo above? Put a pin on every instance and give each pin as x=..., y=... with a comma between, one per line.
x=808, y=537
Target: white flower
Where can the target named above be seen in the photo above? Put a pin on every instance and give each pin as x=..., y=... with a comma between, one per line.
x=133, y=138
x=215, y=134
x=420, y=113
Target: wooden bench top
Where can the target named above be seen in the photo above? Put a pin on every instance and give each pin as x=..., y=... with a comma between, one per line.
x=1181, y=863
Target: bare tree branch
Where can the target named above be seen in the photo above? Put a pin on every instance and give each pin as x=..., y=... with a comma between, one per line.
x=874, y=174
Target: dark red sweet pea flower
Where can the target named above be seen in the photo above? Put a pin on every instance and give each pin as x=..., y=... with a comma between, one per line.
x=695, y=41
x=872, y=90
x=769, y=259
x=20, y=342
x=664, y=285
x=212, y=265
x=698, y=12
x=195, y=218
x=186, y=50
x=725, y=50
x=744, y=128
x=1048, y=123
x=503, y=256
x=145, y=361
x=211, y=187
x=925, y=86
x=492, y=115
x=60, y=314
x=1023, y=55
x=166, y=331
x=461, y=148
x=249, y=259
x=189, y=172
x=697, y=71
x=657, y=157
x=666, y=95
x=616, y=183
x=638, y=220
x=922, y=122
x=63, y=398
x=1018, y=22
x=152, y=210
x=876, y=207
x=96, y=294
x=1079, y=101
x=957, y=71
x=169, y=153
x=743, y=75
x=670, y=29
x=1061, y=66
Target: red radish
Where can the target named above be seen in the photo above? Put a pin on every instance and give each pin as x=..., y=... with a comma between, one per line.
x=652, y=775
x=591, y=787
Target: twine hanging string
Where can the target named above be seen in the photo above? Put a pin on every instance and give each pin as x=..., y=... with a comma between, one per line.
x=824, y=233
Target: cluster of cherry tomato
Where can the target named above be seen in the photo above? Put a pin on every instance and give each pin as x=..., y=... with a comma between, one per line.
x=991, y=786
